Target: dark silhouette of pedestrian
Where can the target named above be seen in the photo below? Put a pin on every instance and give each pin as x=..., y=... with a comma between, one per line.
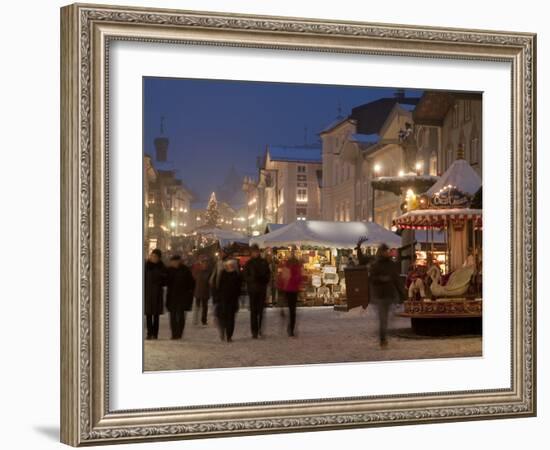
x=154, y=281
x=179, y=296
x=290, y=283
x=229, y=292
x=386, y=288
x=257, y=275
x=201, y=273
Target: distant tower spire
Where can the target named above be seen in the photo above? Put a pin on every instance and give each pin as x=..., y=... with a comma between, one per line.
x=161, y=144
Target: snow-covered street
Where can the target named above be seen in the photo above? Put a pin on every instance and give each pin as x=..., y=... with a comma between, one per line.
x=323, y=336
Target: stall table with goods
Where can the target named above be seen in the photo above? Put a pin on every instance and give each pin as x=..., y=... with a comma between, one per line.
x=325, y=249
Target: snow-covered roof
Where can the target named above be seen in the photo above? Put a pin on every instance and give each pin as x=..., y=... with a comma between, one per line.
x=407, y=106
x=460, y=175
x=270, y=227
x=167, y=166
x=365, y=138
x=295, y=154
x=334, y=124
x=224, y=237
x=406, y=177
x=319, y=233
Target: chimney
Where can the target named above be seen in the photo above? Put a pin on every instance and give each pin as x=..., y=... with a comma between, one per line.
x=399, y=93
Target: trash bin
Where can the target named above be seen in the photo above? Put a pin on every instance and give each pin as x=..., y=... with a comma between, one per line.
x=357, y=287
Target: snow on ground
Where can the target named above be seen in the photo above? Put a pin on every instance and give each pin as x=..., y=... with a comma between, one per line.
x=323, y=336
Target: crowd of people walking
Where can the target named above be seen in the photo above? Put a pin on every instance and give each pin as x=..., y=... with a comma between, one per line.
x=184, y=288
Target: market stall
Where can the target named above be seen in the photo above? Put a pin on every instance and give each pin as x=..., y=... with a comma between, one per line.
x=449, y=288
x=325, y=249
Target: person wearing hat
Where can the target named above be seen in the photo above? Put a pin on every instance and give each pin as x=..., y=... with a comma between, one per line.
x=385, y=288
x=257, y=275
x=179, y=296
x=154, y=281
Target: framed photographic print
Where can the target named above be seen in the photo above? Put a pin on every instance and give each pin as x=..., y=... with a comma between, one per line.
x=217, y=169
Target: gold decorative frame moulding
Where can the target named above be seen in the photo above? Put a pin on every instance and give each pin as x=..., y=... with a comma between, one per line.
x=86, y=33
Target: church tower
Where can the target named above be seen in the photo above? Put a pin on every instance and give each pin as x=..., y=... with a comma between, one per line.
x=161, y=144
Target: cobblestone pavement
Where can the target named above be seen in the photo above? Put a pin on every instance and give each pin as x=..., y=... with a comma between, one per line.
x=323, y=336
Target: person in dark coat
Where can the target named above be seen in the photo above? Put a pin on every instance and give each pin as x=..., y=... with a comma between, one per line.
x=229, y=290
x=201, y=273
x=385, y=288
x=179, y=296
x=257, y=276
x=154, y=281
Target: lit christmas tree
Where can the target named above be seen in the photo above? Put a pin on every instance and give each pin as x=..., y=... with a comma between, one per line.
x=212, y=214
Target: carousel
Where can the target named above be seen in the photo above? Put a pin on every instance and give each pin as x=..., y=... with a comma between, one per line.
x=445, y=292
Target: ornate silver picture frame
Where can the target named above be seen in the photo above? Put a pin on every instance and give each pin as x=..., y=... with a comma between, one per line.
x=87, y=31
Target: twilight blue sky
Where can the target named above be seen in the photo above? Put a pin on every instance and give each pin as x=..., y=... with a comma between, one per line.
x=214, y=124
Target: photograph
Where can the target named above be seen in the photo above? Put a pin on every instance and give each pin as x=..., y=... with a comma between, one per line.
x=294, y=224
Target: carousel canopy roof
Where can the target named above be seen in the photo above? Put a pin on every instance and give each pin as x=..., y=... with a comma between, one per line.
x=460, y=175
x=318, y=233
x=437, y=218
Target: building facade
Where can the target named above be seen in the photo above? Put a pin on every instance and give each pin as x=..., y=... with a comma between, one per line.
x=446, y=122
x=288, y=186
x=167, y=201
x=359, y=148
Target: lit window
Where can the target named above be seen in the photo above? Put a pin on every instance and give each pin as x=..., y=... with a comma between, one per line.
x=301, y=195
x=151, y=221
x=301, y=213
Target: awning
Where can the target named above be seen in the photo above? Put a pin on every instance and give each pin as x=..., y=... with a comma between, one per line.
x=421, y=219
x=318, y=233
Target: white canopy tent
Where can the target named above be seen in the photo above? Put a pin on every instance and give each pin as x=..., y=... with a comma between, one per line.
x=461, y=175
x=224, y=237
x=318, y=233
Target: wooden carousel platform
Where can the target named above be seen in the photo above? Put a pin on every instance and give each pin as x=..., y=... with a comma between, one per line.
x=445, y=316
x=443, y=308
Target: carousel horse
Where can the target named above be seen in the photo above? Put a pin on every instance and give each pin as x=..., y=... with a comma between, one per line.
x=457, y=284
x=417, y=285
